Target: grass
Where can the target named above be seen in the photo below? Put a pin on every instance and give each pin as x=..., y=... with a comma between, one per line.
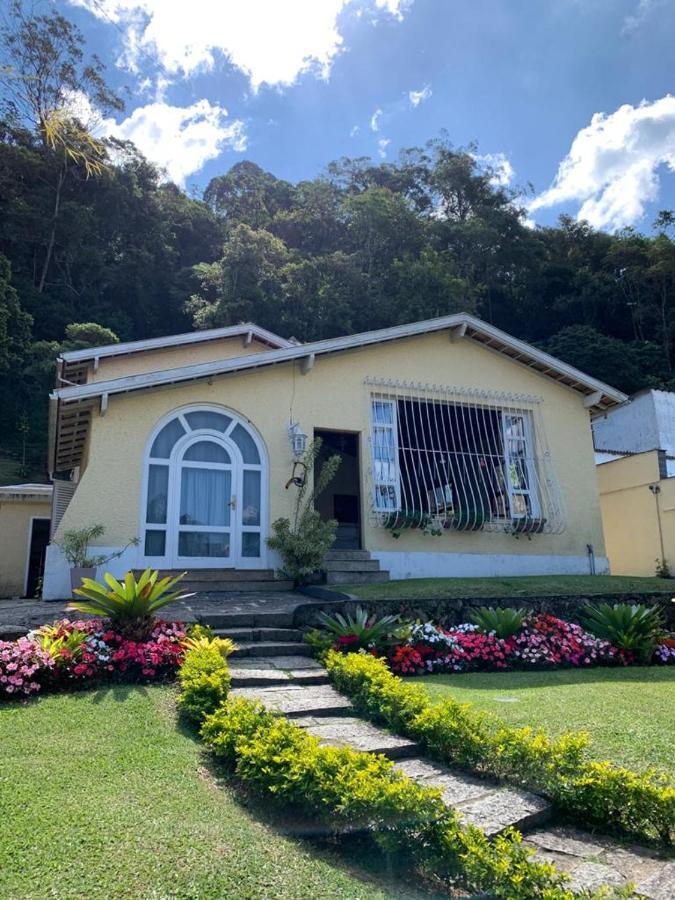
x=103, y=796
x=514, y=587
x=628, y=712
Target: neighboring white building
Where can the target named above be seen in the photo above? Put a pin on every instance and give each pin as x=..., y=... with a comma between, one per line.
x=645, y=422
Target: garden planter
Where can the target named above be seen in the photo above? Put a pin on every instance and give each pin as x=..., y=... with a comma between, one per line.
x=77, y=573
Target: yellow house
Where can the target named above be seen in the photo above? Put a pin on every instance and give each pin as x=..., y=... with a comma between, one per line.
x=464, y=451
x=25, y=511
x=637, y=499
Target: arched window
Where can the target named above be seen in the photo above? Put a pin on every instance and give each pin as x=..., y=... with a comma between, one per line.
x=205, y=491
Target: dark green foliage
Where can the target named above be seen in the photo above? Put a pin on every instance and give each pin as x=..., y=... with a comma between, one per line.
x=367, y=629
x=503, y=620
x=630, y=627
x=365, y=245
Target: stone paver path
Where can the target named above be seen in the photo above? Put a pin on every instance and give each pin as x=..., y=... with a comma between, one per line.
x=591, y=860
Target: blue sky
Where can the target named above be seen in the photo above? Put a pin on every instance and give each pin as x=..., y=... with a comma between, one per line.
x=570, y=96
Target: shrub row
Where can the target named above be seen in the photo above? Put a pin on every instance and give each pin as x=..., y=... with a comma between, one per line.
x=204, y=678
x=350, y=790
x=347, y=790
x=596, y=793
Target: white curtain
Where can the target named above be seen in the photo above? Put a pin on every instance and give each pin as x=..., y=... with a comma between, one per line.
x=205, y=497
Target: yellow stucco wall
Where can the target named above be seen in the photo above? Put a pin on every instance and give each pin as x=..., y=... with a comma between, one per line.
x=630, y=516
x=333, y=396
x=173, y=357
x=15, y=524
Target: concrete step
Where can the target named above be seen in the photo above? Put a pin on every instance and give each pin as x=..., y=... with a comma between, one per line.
x=356, y=577
x=271, y=671
x=224, y=574
x=297, y=700
x=251, y=635
x=487, y=804
x=235, y=587
x=346, y=731
x=271, y=648
x=347, y=554
x=273, y=618
x=352, y=565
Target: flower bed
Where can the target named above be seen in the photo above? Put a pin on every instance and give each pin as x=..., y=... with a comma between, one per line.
x=543, y=642
x=67, y=653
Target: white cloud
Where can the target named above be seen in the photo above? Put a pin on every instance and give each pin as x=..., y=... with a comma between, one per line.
x=636, y=19
x=176, y=138
x=354, y=131
x=612, y=165
x=417, y=97
x=382, y=145
x=269, y=40
x=500, y=166
x=375, y=120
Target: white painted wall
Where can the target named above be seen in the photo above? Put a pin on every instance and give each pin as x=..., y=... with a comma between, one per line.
x=402, y=565
x=632, y=427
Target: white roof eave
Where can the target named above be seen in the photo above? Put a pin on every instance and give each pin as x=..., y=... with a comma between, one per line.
x=175, y=340
x=527, y=354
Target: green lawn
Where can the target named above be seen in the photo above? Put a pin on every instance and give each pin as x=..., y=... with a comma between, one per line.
x=628, y=712
x=514, y=587
x=103, y=796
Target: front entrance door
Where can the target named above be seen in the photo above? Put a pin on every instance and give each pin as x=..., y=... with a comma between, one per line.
x=341, y=500
x=204, y=494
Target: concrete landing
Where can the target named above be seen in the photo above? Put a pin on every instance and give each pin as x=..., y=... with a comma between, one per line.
x=346, y=731
x=298, y=700
x=487, y=804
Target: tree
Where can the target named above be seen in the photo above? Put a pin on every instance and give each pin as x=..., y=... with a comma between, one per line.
x=15, y=323
x=45, y=77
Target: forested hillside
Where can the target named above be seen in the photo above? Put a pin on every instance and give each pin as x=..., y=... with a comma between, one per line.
x=91, y=236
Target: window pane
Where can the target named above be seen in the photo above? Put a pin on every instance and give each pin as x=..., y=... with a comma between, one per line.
x=246, y=445
x=158, y=483
x=385, y=497
x=383, y=443
x=520, y=504
x=518, y=474
x=203, y=543
x=251, y=507
x=515, y=426
x=383, y=412
x=155, y=542
x=250, y=543
x=205, y=496
x=215, y=421
x=163, y=443
x=207, y=451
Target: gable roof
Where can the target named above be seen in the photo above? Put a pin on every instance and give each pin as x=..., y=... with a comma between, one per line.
x=73, y=362
x=75, y=400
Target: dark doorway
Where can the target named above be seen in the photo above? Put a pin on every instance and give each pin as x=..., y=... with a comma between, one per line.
x=39, y=538
x=342, y=498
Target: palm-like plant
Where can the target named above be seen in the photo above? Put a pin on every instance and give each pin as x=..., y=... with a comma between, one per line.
x=130, y=604
x=504, y=621
x=362, y=629
x=635, y=628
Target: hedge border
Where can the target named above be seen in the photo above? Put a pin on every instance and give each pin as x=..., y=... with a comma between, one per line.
x=599, y=794
x=343, y=788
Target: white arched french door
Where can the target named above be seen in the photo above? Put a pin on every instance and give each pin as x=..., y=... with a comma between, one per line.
x=204, y=496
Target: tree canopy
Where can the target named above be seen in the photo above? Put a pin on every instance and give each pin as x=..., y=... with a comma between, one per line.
x=96, y=246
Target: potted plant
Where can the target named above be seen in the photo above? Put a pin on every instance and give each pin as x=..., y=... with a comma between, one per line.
x=75, y=545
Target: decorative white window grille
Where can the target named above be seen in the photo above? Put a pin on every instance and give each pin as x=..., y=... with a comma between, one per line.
x=447, y=458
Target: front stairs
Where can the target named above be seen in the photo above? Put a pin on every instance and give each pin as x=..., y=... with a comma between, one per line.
x=228, y=581
x=353, y=567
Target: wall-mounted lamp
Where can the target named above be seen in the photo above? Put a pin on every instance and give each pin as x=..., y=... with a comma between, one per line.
x=297, y=439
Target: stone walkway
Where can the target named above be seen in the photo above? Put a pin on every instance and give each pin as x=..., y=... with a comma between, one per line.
x=302, y=693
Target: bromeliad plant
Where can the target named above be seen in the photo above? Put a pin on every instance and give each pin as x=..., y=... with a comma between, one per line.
x=129, y=605
x=362, y=630
x=634, y=630
x=501, y=621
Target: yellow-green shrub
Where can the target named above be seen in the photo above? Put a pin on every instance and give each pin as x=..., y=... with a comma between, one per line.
x=204, y=678
x=599, y=794
x=347, y=789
